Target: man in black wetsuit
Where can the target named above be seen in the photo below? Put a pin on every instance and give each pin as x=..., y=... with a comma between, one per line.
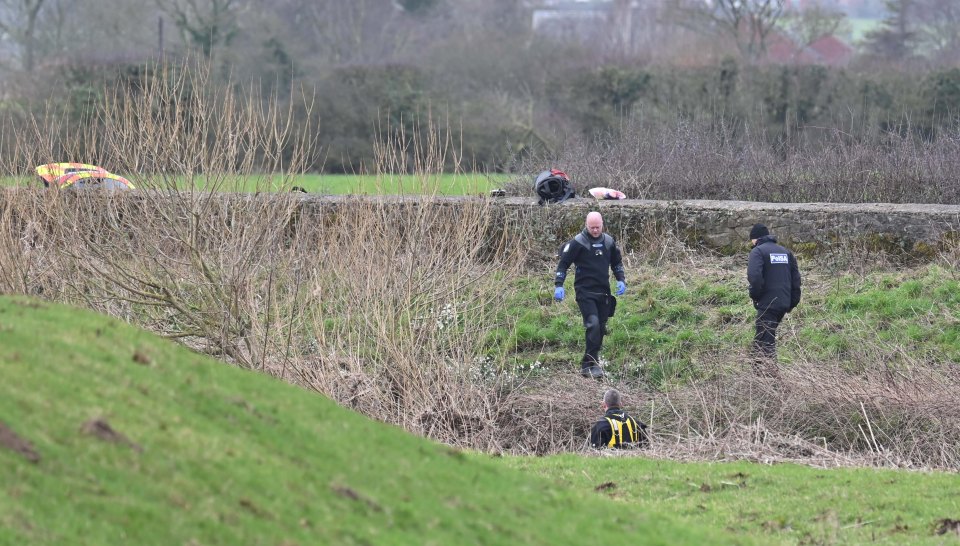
x=775, y=290
x=595, y=254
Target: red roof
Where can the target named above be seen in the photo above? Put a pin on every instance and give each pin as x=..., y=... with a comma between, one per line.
x=826, y=50
x=832, y=50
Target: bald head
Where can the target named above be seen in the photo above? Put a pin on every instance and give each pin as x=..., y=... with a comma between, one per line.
x=594, y=224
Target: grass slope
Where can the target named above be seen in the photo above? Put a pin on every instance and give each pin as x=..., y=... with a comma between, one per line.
x=672, y=319
x=203, y=453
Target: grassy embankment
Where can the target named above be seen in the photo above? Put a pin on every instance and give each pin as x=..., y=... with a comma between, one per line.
x=201, y=452
x=673, y=317
x=137, y=440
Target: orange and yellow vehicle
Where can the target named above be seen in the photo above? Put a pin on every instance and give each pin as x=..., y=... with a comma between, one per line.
x=80, y=175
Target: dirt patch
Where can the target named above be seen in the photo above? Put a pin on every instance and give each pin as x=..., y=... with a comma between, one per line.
x=12, y=441
x=948, y=526
x=606, y=486
x=102, y=430
x=251, y=507
x=350, y=493
x=142, y=358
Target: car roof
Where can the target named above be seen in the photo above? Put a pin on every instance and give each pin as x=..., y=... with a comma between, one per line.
x=70, y=179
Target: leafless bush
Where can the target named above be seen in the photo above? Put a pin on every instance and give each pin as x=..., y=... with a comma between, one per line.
x=201, y=269
x=408, y=290
x=883, y=415
x=819, y=413
x=393, y=295
x=684, y=158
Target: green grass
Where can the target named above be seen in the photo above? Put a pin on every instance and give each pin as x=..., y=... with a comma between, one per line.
x=342, y=184
x=778, y=504
x=217, y=455
x=668, y=321
x=445, y=184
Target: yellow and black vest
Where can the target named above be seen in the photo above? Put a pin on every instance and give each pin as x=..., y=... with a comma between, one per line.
x=624, y=429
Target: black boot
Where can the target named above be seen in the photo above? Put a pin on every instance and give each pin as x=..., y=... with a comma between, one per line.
x=593, y=372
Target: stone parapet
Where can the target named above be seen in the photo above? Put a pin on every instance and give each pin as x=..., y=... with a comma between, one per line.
x=916, y=229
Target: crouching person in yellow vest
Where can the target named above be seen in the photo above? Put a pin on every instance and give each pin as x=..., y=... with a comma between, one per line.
x=617, y=429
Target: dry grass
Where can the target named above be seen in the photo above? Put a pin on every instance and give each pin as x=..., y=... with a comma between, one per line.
x=650, y=157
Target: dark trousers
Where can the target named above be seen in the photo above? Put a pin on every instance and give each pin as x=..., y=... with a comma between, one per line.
x=595, y=309
x=765, y=340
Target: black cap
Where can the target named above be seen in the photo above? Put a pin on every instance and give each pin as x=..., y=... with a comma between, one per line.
x=758, y=230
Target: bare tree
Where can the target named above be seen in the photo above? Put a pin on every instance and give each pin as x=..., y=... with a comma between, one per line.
x=108, y=31
x=896, y=38
x=31, y=27
x=816, y=20
x=747, y=22
x=347, y=32
x=939, y=30
x=205, y=24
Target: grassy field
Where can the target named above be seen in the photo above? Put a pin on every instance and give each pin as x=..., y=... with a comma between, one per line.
x=777, y=504
x=672, y=317
x=336, y=184
x=136, y=440
x=446, y=184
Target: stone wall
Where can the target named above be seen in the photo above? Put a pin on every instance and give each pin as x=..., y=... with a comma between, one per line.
x=809, y=228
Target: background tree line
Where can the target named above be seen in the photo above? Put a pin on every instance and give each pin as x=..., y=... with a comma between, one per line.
x=507, y=94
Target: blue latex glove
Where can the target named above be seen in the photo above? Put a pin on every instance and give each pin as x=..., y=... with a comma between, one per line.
x=559, y=293
x=621, y=288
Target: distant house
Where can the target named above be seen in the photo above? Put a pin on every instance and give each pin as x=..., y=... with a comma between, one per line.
x=827, y=50
x=583, y=16
x=831, y=50
x=613, y=25
x=781, y=49
x=631, y=28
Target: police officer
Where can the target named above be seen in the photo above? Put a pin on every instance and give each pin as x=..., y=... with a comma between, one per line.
x=594, y=253
x=775, y=290
x=617, y=429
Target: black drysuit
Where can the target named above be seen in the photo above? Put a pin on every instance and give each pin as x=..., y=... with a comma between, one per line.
x=774, y=288
x=594, y=258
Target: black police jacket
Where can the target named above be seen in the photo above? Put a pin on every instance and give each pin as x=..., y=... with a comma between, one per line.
x=593, y=257
x=773, y=276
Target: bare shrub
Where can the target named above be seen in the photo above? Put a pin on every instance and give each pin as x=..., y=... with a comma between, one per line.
x=383, y=304
x=204, y=270
x=883, y=415
x=407, y=291
x=655, y=157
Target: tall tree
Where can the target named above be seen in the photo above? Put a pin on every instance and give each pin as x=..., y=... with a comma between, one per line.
x=896, y=38
x=32, y=27
x=939, y=30
x=747, y=22
x=355, y=31
x=816, y=20
x=205, y=24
